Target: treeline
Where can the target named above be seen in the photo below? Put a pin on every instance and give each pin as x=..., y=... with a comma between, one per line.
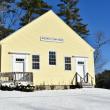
x=14, y=14
x=103, y=80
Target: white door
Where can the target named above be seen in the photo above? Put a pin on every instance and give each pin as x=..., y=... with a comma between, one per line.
x=19, y=66
x=80, y=71
x=81, y=68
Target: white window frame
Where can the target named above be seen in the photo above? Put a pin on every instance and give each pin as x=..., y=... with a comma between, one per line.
x=36, y=62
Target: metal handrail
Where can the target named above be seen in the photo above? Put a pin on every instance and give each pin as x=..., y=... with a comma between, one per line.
x=82, y=78
x=88, y=74
x=75, y=76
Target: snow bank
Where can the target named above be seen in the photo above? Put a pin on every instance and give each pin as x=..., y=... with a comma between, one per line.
x=77, y=99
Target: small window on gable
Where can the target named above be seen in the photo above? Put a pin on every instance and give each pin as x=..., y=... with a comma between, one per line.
x=35, y=62
x=67, y=63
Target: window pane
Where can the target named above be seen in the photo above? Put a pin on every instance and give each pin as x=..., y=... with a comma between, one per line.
x=67, y=59
x=52, y=62
x=35, y=58
x=19, y=59
x=52, y=53
x=52, y=58
x=80, y=62
x=35, y=66
x=67, y=66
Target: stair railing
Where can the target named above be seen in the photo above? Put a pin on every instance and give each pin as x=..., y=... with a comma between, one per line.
x=82, y=79
x=87, y=77
x=76, y=78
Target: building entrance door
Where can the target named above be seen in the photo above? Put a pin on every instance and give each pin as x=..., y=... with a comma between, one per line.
x=19, y=66
x=81, y=69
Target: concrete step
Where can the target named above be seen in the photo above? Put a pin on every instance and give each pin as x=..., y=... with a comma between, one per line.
x=87, y=85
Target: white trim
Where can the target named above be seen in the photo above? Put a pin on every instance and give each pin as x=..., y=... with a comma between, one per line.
x=19, y=53
x=85, y=65
x=79, y=56
x=25, y=57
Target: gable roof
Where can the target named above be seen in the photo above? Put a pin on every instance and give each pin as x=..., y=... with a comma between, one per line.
x=43, y=16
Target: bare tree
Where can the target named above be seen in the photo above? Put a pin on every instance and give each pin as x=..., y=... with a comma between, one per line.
x=100, y=41
x=10, y=14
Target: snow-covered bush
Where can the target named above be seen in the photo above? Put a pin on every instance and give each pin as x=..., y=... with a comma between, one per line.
x=7, y=86
x=24, y=86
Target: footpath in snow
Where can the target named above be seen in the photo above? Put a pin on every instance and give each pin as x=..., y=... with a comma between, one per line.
x=76, y=99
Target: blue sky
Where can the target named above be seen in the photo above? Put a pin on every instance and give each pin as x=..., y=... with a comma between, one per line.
x=96, y=13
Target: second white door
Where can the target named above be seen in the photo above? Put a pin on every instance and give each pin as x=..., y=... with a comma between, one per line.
x=81, y=68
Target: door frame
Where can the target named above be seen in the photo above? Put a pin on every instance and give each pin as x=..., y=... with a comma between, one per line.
x=20, y=56
x=85, y=65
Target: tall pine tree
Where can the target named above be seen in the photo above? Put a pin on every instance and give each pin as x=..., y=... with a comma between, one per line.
x=32, y=9
x=4, y=8
x=69, y=12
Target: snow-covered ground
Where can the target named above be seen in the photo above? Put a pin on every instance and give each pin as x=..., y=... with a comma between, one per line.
x=76, y=99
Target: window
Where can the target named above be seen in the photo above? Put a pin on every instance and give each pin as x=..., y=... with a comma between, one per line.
x=19, y=59
x=35, y=62
x=67, y=63
x=80, y=62
x=52, y=58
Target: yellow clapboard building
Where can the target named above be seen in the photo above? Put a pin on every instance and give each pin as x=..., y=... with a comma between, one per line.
x=50, y=50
